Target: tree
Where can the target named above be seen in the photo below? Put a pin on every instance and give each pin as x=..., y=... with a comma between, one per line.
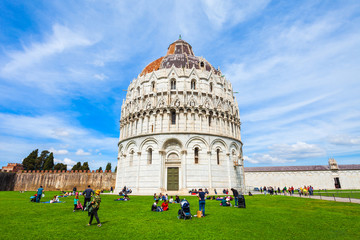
x=29, y=161
x=85, y=166
x=39, y=163
x=116, y=169
x=60, y=166
x=108, y=167
x=100, y=168
x=49, y=162
x=77, y=166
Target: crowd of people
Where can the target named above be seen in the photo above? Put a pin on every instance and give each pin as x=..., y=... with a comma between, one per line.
x=92, y=200
x=306, y=190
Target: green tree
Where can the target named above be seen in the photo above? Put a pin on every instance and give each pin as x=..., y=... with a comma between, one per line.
x=60, y=166
x=108, y=167
x=39, y=163
x=116, y=169
x=100, y=168
x=49, y=162
x=77, y=166
x=85, y=166
x=29, y=161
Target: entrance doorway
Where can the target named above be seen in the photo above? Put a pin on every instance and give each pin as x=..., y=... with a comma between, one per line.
x=337, y=182
x=172, y=178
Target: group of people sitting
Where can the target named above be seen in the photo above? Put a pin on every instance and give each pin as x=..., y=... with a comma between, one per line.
x=125, y=198
x=165, y=197
x=195, y=191
x=164, y=206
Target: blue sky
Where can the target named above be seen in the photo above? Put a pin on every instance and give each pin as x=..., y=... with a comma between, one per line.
x=295, y=64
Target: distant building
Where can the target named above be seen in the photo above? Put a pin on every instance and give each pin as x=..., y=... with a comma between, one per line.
x=331, y=176
x=12, y=167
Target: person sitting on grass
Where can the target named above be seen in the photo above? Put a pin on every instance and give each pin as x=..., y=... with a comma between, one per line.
x=55, y=199
x=225, y=203
x=155, y=197
x=165, y=206
x=177, y=199
x=171, y=200
x=155, y=207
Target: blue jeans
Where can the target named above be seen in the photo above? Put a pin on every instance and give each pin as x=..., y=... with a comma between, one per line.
x=38, y=197
x=202, y=207
x=236, y=201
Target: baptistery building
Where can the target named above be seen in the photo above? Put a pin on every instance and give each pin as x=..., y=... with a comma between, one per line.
x=180, y=128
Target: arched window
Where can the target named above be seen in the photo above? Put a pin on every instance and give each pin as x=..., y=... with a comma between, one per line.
x=150, y=156
x=173, y=117
x=193, y=84
x=153, y=86
x=202, y=64
x=218, y=156
x=211, y=87
x=173, y=84
x=196, y=155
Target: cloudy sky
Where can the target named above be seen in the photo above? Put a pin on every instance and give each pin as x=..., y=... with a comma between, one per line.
x=295, y=66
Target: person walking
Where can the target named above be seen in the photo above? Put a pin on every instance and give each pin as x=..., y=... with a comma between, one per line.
x=87, y=195
x=74, y=190
x=202, y=196
x=236, y=196
x=40, y=191
x=95, y=205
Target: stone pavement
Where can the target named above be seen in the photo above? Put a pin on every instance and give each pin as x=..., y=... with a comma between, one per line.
x=337, y=199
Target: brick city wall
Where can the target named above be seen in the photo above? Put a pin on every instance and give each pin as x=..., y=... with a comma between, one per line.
x=56, y=180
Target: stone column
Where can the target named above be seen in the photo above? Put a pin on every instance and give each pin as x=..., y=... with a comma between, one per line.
x=183, y=167
x=138, y=171
x=161, y=122
x=229, y=168
x=162, y=169
x=210, y=178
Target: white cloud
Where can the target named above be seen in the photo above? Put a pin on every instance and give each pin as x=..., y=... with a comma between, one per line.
x=221, y=12
x=62, y=39
x=298, y=150
x=259, y=158
x=59, y=152
x=101, y=76
x=344, y=140
x=70, y=163
x=81, y=152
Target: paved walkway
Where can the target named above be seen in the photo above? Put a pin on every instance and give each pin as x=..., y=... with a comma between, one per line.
x=337, y=199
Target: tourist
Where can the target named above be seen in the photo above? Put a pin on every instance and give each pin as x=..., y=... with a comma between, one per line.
x=177, y=199
x=260, y=189
x=40, y=191
x=154, y=206
x=236, y=195
x=155, y=198
x=95, y=203
x=74, y=190
x=171, y=200
x=87, y=195
x=202, y=196
x=165, y=206
x=77, y=204
x=215, y=191
x=265, y=190
x=111, y=190
x=55, y=199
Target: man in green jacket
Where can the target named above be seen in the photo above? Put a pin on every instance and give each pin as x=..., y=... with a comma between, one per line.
x=95, y=207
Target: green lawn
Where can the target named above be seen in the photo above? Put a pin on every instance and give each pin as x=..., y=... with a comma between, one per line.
x=266, y=217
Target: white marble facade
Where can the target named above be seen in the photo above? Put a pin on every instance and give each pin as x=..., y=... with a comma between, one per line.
x=180, y=113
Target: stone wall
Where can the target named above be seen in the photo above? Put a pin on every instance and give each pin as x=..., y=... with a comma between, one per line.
x=56, y=181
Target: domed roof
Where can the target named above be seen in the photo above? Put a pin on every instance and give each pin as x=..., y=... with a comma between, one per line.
x=181, y=55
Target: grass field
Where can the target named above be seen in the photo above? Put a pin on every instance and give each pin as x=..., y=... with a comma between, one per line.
x=266, y=217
